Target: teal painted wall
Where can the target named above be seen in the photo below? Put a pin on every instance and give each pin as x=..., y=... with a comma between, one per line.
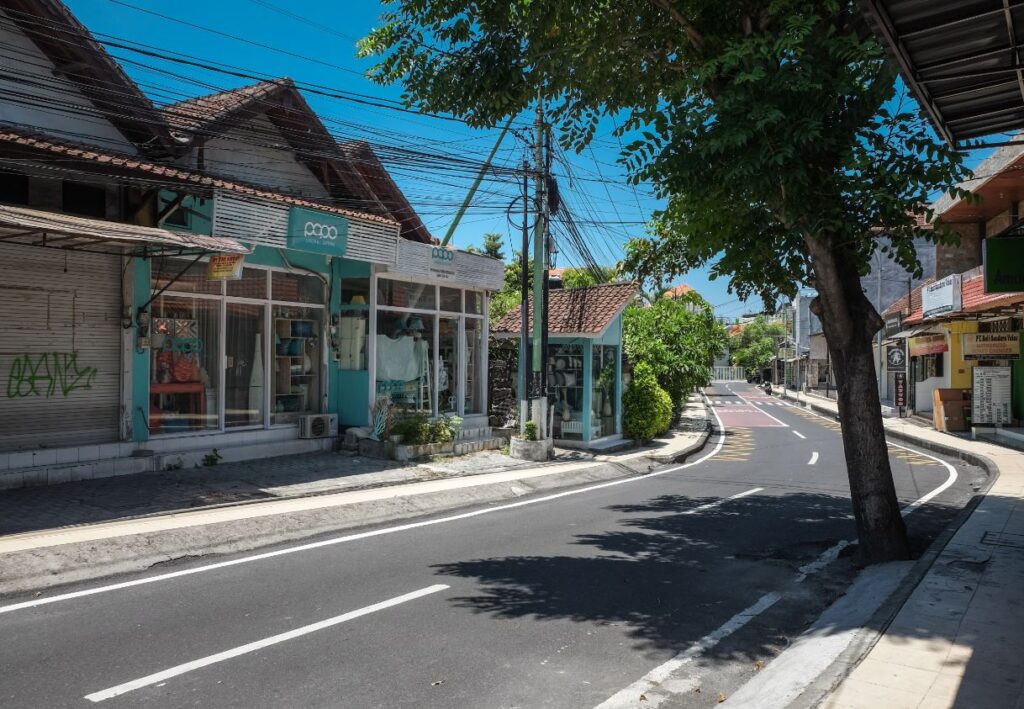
x=349, y=388
x=198, y=212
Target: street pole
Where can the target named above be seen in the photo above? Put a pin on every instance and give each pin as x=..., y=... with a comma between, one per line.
x=540, y=240
x=524, y=277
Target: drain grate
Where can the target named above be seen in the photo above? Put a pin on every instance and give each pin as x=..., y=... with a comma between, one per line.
x=1004, y=539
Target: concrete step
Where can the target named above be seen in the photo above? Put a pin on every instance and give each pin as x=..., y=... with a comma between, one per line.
x=488, y=443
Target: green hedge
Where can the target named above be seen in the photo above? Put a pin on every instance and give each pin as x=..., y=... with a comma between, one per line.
x=646, y=407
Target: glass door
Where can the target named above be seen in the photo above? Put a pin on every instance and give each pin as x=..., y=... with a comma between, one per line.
x=245, y=356
x=448, y=366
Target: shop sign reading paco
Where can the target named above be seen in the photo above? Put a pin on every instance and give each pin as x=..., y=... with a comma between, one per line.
x=442, y=263
x=319, y=232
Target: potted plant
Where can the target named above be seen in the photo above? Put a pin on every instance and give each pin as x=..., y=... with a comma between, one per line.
x=528, y=447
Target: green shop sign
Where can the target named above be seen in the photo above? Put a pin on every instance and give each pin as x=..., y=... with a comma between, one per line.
x=319, y=232
x=1004, y=265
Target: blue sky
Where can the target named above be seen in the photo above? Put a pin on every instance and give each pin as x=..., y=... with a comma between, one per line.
x=314, y=43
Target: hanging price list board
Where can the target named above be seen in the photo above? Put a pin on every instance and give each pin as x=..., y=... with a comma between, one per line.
x=991, y=398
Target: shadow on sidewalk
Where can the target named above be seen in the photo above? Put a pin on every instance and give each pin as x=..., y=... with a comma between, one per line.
x=107, y=499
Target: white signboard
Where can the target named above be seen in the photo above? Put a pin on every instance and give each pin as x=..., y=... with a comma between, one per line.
x=990, y=402
x=942, y=297
x=460, y=268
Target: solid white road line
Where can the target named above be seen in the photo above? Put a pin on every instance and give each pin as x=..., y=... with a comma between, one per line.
x=718, y=503
x=800, y=435
x=362, y=535
x=651, y=682
x=749, y=403
x=628, y=697
x=814, y=458
x=922, y=500
x=158, y=677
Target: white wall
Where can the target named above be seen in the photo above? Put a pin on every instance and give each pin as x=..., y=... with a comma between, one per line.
x=21, y=66
x=235, y=155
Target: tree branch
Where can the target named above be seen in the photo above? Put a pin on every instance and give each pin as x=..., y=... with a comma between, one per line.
x=695, y=37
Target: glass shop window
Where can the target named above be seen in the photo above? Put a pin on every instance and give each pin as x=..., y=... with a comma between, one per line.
x=184, y=375
x=399, y=294
x=405, y=360
x=451, y=300
x=295, y=375
x=297, y=288
x=252, y=284
x=476, y=366
x=189, y=279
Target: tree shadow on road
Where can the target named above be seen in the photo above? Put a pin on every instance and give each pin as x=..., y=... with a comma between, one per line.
x=667, y=577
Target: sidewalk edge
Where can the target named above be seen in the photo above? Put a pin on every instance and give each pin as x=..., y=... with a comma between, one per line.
x=825, y=683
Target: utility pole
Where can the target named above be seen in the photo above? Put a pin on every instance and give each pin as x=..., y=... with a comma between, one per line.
x=524, y=275
x=538, y=393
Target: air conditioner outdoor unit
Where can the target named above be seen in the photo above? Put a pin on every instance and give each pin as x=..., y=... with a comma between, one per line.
x=318, y=426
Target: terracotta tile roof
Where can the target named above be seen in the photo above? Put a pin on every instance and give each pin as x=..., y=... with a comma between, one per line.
x=576, y=311
x=976, y=300
x=737, y=329
x=678, y=291
x=916, y=311
x=171, y=173
x=195, y=113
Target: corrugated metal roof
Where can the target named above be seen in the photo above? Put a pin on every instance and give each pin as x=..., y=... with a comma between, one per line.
x=961, y=59
x=34, y=227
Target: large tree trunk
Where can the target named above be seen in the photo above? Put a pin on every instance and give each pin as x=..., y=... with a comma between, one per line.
x=850, y=321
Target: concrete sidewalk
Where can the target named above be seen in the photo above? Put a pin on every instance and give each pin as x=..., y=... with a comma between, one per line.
x=958, y=640
x=78, y=531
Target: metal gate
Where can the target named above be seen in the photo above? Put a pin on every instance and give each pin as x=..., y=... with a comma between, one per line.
x=60, y=347
x=729, y=374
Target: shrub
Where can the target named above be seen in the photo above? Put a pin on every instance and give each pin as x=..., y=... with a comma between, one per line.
x=416, y=429
x=445, y=429
x=646, y=407
x=413, y=428
x=531, y=431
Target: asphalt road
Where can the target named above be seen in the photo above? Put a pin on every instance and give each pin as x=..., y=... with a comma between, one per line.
x=559, y=602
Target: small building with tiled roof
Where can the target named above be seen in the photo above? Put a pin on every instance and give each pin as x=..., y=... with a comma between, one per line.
x=583, y=361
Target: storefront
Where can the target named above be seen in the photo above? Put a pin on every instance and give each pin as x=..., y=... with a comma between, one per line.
x=428, y=315
x=583, y=361
x=67, y=356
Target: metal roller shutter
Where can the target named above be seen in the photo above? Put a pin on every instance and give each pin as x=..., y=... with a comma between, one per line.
x=59, y=347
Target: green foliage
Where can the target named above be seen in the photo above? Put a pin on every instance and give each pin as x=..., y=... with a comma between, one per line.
x=530, y=432
x=583, y=277
x=646, y=407
x=502, y=302
x=444, y=429
x=492, y=246
x=212, y=458
x=769, y=126
x=678, y=339
x=414, y=428
x=417, y=429
x=756, y=345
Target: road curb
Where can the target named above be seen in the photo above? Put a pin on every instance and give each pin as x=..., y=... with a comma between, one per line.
x=826, y=682
x=950, y=450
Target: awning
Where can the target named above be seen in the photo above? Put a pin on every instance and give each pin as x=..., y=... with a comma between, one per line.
x=912, y=332
x=960, y=60
x=33, y=227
